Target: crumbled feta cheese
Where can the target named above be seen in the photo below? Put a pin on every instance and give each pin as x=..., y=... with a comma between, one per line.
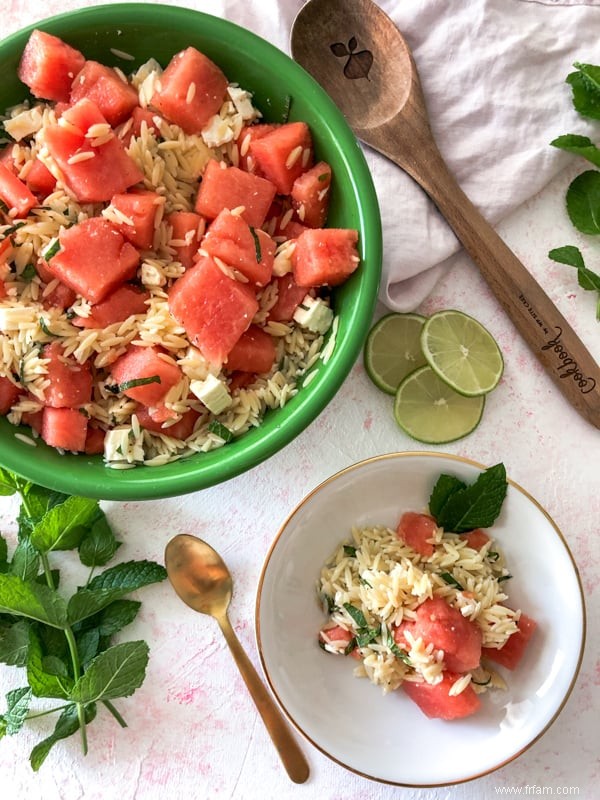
x=213, y=393
x=314, y=314
x=217, y=131
x=25, y=123
x=121, y=444
x=242, y=100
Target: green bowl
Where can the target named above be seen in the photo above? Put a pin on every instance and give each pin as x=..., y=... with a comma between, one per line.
x=158, y=31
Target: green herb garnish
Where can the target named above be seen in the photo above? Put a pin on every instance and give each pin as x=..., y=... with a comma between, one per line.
x=132, y=384
x=492, y=555
x=43, y=325
x=572, y=256
x=65, y=645
x=220, y=430
x=257, y=247
x=397, y=651
x=349, y=551
x=460, y=508
x=504, y=578
x=12, y=229
x=364, y=634
x=451, y=580
x=51, y=250
x=323, y=176
x=29, y=273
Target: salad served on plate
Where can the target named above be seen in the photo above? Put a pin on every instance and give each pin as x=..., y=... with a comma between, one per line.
x=425, y=608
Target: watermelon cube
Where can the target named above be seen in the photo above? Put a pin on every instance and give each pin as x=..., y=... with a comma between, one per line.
x=230, y=187
x=249, y=250
x=186, y=228
x=143, y=363
x=70, y=382
x=15, y=194
x=442, y=625
x=417, y=530
x=94, y=259
x=213, y=308
x=325, y=256
x=60, y=296
x=140, y=207
x=254, y=351
x=248, y=134
x=48, y=66
x=65, y=428
x=39, y=179
x=511, y=653
x=94, y=441
x=192, y=89
x=103, y=86
x=179, y=430
x=94, y=173
x=8, y=394
x=435, y=701
x=283, y=154
x=310, y=195
x=289, y=297
x=133, y=126
x=116, y=307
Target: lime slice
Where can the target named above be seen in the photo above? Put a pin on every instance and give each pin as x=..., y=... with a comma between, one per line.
x=462, y=352
x=393, y=350
x=431, y=411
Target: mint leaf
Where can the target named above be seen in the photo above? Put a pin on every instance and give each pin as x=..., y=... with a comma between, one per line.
x=583, y=202
x=44, y=684
x=98, y=545
x=117, y=615
x=88, y=645
x=8, y=483
x=579, y=145
x=129, y=576
x=569, y=254
x=357, y=615
x=477, y=505
x=117, y=672
x=584, y=86
x=25, y=561
x=39, y=501
x=14, y=643
x=66, y=725
x=3, y=554
x=87, y=602
x=32, y=600
x=445, y=486
x=63, y=526
x=18, y=701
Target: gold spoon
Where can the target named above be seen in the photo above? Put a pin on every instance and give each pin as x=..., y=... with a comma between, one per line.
x=201, y=579
x=357, y=54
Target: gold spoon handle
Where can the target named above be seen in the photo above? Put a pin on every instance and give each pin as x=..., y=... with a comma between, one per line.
x=293, y=759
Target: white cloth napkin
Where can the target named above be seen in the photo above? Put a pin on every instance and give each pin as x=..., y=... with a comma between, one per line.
x=493, y=74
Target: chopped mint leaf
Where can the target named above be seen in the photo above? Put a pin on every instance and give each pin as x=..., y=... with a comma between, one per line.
x=585, y=86
x=451, y=580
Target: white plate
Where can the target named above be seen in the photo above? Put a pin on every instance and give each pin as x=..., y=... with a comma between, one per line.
x=387, y=738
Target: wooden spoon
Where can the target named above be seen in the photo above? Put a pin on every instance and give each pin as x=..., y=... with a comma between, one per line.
x=357, y=54
x=201, y=579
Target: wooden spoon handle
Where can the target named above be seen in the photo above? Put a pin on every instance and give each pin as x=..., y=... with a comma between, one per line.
x=292, y=757
x=546, y=331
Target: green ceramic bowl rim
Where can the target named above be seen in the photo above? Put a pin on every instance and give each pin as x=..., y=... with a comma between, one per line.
x=80, y=474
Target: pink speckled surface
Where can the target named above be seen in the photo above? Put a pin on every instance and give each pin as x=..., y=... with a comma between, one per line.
x=193, y=730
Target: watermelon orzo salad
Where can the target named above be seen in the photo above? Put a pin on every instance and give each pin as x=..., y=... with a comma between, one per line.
x=424, y=610
x=164, y=262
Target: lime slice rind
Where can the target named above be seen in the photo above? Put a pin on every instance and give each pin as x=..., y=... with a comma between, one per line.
x=430, y=411
x=462, y=352
x=393, y=350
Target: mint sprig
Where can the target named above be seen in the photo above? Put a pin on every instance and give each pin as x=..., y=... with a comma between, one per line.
x=64, y=645
x=458, y=507
x=583, y=193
